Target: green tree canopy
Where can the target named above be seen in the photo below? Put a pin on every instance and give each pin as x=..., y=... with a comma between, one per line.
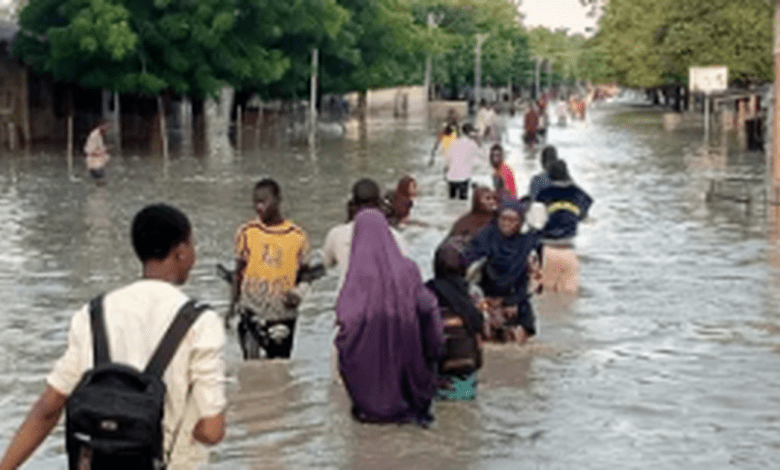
x=505, y=53
x=190, y=47
x=654, y=42
x=719, y=32
x=195, y=47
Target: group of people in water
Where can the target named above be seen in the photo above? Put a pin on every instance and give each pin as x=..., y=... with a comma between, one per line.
x=403, y=341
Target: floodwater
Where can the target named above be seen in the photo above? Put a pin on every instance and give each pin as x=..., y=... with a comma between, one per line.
x=666, y=359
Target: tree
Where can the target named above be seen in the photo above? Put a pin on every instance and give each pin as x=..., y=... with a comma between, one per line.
x=629, y=38
x=298, y=28
x=390, y=42
x=84, y=42
x=654, y=42
x=504, y=52
x=738, y=35
x=198, y=48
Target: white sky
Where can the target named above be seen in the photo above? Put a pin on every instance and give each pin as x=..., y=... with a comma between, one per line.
x=556, y=13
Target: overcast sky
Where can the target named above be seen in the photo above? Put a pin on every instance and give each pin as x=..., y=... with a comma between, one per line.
x=555, y=14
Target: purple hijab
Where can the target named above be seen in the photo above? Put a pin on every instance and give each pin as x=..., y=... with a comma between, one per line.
x=390, y=330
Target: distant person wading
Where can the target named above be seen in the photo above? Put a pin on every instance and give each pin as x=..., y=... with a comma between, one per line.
x=463, y=157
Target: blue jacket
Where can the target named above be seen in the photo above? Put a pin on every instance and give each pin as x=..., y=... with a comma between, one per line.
x=566, y=204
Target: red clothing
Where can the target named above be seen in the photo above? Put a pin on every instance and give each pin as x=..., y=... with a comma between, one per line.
x=509, y=179
x=531, y=122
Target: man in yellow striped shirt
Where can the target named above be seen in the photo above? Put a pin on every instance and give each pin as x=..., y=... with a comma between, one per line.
x=270, y=252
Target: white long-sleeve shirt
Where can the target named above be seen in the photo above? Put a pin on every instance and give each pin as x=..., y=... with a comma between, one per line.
x=464, y=156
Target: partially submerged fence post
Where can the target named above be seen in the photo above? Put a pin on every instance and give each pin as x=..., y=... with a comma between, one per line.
x=313, y=98
x=117, y=124
x=239, y=130
x=163, y=134
x=69, y=105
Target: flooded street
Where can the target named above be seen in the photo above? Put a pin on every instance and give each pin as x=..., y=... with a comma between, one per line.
x=664, y=361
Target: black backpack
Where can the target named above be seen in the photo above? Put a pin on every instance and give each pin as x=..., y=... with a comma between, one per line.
x=114, y=415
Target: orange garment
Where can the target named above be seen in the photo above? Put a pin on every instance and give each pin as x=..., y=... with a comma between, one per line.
x=560, y=269
x=446, y=142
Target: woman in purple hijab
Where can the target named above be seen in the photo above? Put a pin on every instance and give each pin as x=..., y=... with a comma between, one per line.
x=390, y=330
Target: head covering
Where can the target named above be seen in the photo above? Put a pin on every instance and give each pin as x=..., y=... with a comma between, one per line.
x=518, y=205
x=404, y=187
x=507, y=255
x=479, y=217
x=390, y=334
x=449, y=285
x=448, y=259
x=402, y=199
x=505, y=272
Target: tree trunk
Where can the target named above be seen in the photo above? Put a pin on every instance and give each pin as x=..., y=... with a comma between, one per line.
x=163, y=130
x=117, y=119
x=25, y=108
x=217, y=115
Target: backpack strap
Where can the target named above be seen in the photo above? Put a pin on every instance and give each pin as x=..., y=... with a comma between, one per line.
x=185, y=317
x=99, y=336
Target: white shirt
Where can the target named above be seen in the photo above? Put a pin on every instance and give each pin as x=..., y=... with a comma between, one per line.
x=136, y=317
x=338, y=244
x=464, y=156
x=95, y=148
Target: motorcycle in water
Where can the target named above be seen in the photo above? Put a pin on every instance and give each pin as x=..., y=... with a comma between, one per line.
x=253, y=338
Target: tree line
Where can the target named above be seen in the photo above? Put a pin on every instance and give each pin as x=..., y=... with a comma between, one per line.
x=653, y=43
x=197, y=47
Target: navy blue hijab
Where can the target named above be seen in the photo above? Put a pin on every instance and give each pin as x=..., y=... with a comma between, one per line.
x=505, y=273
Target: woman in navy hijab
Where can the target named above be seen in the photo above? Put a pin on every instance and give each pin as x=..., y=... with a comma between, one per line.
x=511, y=261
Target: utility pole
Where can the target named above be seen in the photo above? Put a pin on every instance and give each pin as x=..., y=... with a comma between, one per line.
x=433, y=21
x=549, y=75
x=537, y=90
x=478, y=69
x=315, y=58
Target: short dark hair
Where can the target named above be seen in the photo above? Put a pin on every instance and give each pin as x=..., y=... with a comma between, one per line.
x=549, y=155
x=559, y=171
x=366, y=192
x=271, y=184
x=157, y=229
x=468, y=128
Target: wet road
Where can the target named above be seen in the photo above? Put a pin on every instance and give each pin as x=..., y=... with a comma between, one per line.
x=666, y=360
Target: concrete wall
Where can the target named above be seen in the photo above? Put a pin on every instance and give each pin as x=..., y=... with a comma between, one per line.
x=403, y=102
x=438, y=110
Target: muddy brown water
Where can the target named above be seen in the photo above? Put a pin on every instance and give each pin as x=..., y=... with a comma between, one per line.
x=666, y=360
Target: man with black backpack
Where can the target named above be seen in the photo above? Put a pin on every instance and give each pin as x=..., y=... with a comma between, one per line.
x=143, y=377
